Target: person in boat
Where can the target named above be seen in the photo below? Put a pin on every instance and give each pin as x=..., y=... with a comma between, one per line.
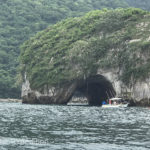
x=115, y=103
x=110, y=102
x=103, y=102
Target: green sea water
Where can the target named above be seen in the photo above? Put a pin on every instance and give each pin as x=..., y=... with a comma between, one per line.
x=51, y=127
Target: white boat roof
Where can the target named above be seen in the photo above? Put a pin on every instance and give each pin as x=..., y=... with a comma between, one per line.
x=116, y=98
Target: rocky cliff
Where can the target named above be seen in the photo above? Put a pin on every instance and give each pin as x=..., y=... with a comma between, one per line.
x=101, y=55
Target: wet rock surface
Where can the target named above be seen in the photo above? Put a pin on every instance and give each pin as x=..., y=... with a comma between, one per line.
x=95, y=89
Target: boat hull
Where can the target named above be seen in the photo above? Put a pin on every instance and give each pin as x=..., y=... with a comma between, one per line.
x=115, y=106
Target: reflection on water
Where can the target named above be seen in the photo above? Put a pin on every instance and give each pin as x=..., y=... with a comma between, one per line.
x=43, y=127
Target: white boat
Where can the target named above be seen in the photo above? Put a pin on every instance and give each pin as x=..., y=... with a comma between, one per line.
x=115, y=103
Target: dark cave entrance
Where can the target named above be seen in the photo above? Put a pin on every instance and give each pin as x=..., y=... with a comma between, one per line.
x=96, y=89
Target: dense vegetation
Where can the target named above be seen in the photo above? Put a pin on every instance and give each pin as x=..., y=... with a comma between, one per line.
x=21, y=19
x=143, y=4
x=75, y=48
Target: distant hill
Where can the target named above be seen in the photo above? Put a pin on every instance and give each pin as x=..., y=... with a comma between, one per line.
x=21, y=19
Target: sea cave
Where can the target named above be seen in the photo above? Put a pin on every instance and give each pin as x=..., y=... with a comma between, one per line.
x=95, y=89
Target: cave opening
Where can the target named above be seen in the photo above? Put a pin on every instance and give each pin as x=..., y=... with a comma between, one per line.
x=96, y=89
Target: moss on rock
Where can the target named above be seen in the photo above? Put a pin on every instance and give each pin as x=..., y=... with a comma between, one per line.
x=76, y=48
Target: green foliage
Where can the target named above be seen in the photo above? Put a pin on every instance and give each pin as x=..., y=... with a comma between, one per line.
x=143, y=4
x=75, y=48
x=6, y=83
x=21, y=19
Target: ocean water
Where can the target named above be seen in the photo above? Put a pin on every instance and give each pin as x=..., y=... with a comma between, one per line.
x=52, y=127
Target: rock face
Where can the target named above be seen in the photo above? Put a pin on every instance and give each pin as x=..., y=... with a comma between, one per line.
x=138, y=93
x=100, y=55
x=102, y=86
x=50, y=95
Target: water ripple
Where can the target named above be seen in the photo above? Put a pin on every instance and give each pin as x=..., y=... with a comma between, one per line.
x=44, y=127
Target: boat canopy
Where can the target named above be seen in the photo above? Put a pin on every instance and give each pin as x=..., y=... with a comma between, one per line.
x=116, y=99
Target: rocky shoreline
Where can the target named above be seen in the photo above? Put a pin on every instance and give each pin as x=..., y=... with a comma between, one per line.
x=11, y=100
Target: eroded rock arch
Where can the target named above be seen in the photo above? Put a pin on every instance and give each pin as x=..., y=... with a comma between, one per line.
x=95, y=88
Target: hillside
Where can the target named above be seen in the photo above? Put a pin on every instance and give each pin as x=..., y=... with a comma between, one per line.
x=143, y=4
x=21, y=19
x=76, y=48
